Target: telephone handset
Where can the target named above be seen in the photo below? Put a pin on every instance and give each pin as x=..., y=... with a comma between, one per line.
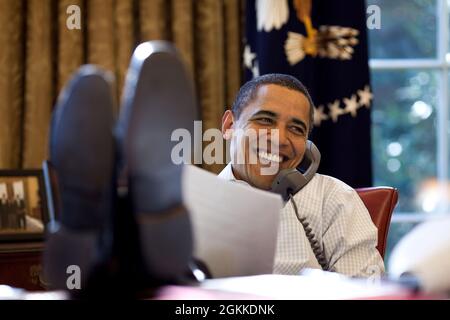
x=290, y=181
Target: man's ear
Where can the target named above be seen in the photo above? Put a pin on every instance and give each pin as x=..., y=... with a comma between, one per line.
x=227, y=124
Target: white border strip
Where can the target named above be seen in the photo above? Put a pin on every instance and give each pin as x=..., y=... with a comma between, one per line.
x=414, y=217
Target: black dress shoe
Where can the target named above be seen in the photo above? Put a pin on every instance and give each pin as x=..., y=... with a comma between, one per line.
x=82, y=165
x=158, y=98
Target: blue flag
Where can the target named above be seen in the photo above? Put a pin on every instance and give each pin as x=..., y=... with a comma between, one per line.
x=324, y=45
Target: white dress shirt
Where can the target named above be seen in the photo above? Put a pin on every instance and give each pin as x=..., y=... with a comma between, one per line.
x=340, y=222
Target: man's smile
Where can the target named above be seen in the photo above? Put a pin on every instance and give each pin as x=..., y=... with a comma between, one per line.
x=266, y=155
x=270, y=156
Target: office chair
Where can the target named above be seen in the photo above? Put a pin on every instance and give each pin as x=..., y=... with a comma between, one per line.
x=380, y=202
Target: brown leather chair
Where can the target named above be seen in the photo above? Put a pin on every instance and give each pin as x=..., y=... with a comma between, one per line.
x=380, y=202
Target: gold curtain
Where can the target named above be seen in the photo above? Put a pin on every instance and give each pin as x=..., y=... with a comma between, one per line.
x=38, y=54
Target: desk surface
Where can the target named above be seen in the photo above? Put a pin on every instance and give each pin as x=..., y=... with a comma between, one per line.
x=312, y=285
x=270, y=287
x=281, y=287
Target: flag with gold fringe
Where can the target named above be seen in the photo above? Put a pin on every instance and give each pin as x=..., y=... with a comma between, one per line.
x=323, y=44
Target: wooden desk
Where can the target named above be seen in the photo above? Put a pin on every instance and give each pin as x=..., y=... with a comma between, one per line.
x=21, y=265
x=264, y=287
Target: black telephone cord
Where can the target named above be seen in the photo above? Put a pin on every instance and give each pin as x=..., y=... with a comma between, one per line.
x=315, y=245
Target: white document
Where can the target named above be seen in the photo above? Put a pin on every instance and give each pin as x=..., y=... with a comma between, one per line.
x=235, y=226
x=311, y=284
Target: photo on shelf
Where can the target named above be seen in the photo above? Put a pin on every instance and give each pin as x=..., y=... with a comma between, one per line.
x=23, y=207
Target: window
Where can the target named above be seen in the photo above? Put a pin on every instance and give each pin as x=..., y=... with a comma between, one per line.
x=410, y=64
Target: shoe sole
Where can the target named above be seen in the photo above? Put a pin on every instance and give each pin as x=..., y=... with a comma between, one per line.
x=158, y=99
x=82, y=156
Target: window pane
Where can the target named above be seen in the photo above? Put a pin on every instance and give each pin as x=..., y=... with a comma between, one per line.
x=396, y=232
x=404, y=135
x=408, y=30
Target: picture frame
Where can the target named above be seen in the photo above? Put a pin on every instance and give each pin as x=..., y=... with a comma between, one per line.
x=23, y=205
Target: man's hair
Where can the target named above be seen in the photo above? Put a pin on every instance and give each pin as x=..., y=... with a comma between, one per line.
x=248, y=92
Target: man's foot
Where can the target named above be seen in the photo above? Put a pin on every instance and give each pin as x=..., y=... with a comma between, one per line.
x=82, y=163
x=158, y=99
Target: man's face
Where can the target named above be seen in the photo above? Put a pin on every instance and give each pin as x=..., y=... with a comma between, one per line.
x=274, y=107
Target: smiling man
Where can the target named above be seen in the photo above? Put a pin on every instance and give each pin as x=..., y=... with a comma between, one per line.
x=268, y=125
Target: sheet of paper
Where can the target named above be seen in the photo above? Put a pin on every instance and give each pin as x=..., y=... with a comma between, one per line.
x=235, y=226
x=311, y=285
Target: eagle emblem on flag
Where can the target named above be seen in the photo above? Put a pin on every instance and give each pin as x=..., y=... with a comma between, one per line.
x=333, y=42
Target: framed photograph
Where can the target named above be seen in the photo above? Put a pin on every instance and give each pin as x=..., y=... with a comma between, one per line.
x=23, y=207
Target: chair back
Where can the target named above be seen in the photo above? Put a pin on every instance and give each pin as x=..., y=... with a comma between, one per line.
x=380, y=202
